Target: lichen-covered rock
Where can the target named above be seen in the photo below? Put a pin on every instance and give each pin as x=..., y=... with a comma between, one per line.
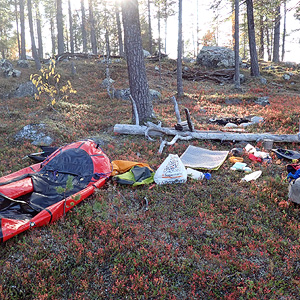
x=35, y=133
x=214, y=56
x=27, y=89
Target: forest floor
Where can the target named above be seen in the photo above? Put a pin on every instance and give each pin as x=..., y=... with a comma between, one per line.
x=211, y=239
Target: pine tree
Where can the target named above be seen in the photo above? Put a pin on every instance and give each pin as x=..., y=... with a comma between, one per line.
x=139, y=88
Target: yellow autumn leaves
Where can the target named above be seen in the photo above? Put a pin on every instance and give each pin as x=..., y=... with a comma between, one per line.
x=48, y=83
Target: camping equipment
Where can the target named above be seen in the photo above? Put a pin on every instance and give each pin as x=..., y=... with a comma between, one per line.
x=288, y=154
x=135, y=176
x=30, y=197
x=197, y=175
x=41, y=156
x=171, y=170
x=294, y=191
x=122, y=166
x=252, y=176
x=200, y=158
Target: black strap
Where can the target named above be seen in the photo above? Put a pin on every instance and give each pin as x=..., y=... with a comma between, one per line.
x=1, y=233
x=11, y=200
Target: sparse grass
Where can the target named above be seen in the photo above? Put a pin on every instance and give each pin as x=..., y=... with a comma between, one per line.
x=217, y=239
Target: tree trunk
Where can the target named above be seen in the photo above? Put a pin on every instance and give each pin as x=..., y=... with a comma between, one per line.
x=139, y=88
x=18, y=33
x=159, y=40
x=39, y=31
x=179, y=52
x=53, y=40
x=267, y=30
x=252, y=43
x=60, y=28
x=71, y=27
x=261, y=38
x=276, y=35
x=83, y=27
x=284, y=32
x=237, y=81
x=165, y=10
x=197, y=35
x=22, y=25
x=92, y=28
x=120, y=38
x=150, y=28
x=33, y=47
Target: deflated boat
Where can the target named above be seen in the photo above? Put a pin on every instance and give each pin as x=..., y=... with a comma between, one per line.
x=33, y=196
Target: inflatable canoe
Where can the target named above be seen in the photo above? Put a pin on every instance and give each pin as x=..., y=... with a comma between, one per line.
x=33, y=196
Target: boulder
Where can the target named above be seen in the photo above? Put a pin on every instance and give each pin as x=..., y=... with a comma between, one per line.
x=5, y=64
x=107, y=82
x=264, y=101
x=124, y=94
x=8, y=70
x=155, y=94
x=22, y=63
x=214, y=56
x=27, y=89
x=146, y=53
x=35, y=133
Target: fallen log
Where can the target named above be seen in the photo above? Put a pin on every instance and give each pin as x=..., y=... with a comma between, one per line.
x=156, y=130
x=68, y=55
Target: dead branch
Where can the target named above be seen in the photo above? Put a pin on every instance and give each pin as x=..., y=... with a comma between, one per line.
x=218, y=76
x=174, y=140
x=135, y=111
x=177, y=113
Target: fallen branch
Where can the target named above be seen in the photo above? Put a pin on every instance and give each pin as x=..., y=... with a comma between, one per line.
x=135, y=111
x=174, y=140
x=218, y=76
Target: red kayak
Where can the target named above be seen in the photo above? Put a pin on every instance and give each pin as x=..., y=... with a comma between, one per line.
x=31, y=198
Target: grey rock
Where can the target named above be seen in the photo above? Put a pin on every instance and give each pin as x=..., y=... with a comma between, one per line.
x=26, y=89
x=146, y=53
x=233, y=101
x=16, y=73
x=263, y=80
x=262, y=101
x=43, y=141
x=245, y=65
x=257, y=119
x=5, y=64
x=286, y=77
x=107, y=82
x=155, y=94
x=242, y=78
x=215, y=56
x=122, y=94
x=34, y=133
x=22, y=63
x=269, y=68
